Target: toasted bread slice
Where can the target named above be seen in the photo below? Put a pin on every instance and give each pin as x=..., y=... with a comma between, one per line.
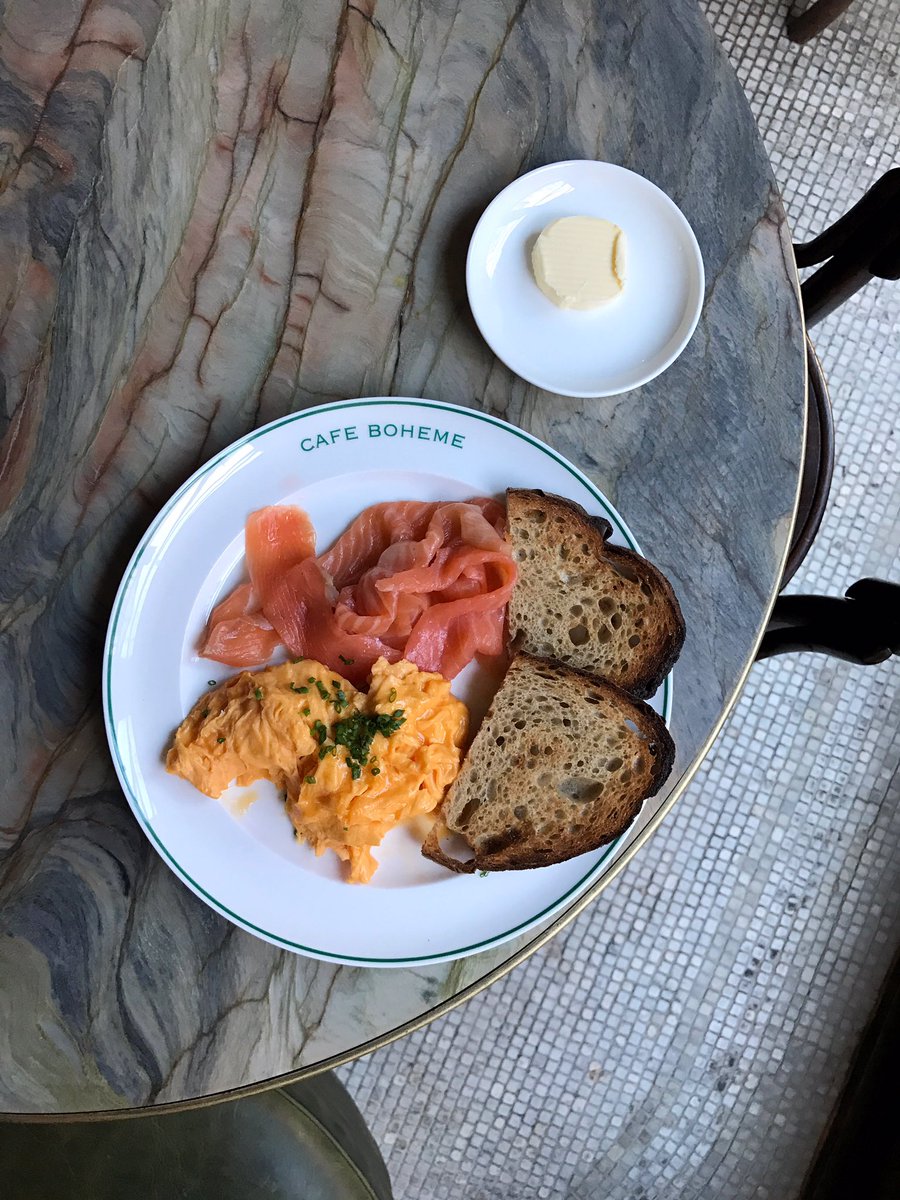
x=561, y=764
x=585, y=602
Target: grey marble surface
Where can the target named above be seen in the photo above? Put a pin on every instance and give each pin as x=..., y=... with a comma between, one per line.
x=216, y=214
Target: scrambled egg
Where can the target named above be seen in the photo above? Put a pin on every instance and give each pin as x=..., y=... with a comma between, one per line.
x=351, y=765
x=257, y=725
x=407, y=773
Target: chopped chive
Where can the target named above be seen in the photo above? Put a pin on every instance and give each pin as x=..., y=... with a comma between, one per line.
x=376, y=770
x=310, y=779
x=358, y=731
x=258, y=693
x=296, y=660
x=311, y=679
x=210, y=683
x=392, y=695
x=484, y=874
x=322, y=689
x=305, y=711
x=348, y=661
x=220, y=740
x=355, y=768
x=319, y=731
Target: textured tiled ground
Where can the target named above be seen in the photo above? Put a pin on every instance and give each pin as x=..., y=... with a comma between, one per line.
x=687, y=1036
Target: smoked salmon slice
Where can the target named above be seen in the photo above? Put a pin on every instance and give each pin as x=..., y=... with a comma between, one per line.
x=374, y=531
x=302, y=609
x=428, y=581
x=276, y=538
x=382, y=526
x=238, y=632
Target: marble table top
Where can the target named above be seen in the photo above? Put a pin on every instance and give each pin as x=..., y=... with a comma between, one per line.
x=214, y=213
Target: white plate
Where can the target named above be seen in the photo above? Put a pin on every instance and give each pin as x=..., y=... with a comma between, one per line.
x=608, y=350
x=240, y=857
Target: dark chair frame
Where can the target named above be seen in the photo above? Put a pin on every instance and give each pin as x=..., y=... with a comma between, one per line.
x=863, y=244
x=864, y=626
x=818, y=466
x=813, y=20
x=859, y=1154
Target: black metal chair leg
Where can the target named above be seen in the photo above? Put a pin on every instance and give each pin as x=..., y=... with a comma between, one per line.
x=816, y=18
x=863, y=628
x=864, y=244
x=818, y=466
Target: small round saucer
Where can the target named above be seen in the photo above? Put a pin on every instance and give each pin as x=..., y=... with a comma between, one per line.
x=610, y=349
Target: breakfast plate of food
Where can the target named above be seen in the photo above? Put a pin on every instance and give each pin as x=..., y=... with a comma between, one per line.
x=387, y=679
x=585, y=278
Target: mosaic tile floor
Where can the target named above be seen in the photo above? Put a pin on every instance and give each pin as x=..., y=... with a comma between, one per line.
x=688, y=1035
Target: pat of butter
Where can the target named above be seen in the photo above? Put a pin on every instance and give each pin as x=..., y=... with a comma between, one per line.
x=579, y=262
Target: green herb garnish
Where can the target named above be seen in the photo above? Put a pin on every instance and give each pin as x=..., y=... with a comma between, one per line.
x=484, y=874
x=310, y=779
x=220, y=740
x=330, y=749
x=305, y=711
x=320, y=733
x=210, y=683
x=340, y=696
x=376, y=770
x=357, y=733
x=322, y=689
x=348, y=661
x=392, y=695
x=258, y=693
x=301, y=691
x=296, y=660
